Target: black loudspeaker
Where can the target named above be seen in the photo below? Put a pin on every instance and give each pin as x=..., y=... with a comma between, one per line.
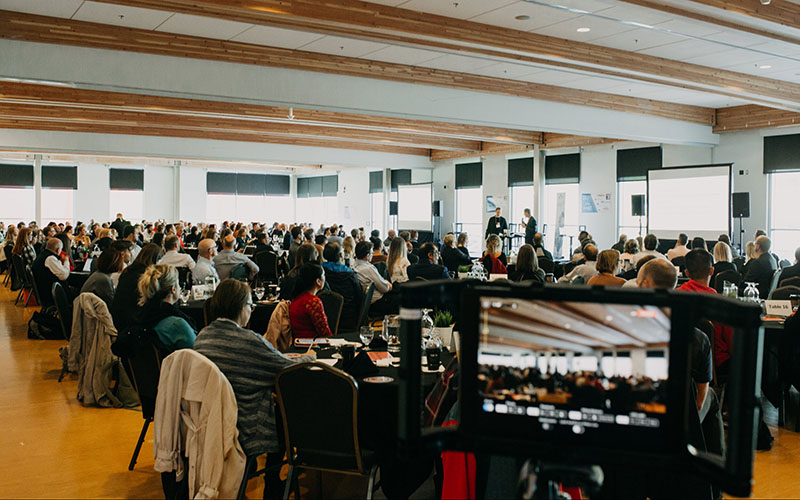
x=392, y=208
x=637, y=205
x=436, y=208
x=741, y=204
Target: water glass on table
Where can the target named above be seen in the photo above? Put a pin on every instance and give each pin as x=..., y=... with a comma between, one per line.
x=366, y=334
x=185, y=295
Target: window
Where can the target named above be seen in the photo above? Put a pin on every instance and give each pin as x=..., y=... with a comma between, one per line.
x=553, y=193
x=57, y=205
x=220, y=207
x=318, y=210
x=627, y=223
x=17, y=204
x=783, y=221
x=377, y=212
x=129, y=203
x=277, y=209
x=521, y=198
x=469, y=217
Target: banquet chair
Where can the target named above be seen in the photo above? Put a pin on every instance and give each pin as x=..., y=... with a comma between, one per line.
x=303, y=389
x=333, y=303
x=143, y=367
x=794, y=281
x=35, y=291
x=776, y=278
x=381, y=267
x=185, y=277
x=64, y=309
x=9, y=267
x=729, y=276
x=784, y=292
x=19, y=276
x=364, y=316
x=267, y=263
x=578, y=280
x=546, y=265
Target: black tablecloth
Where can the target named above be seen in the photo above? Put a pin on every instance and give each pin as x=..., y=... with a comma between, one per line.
x=259, y=320
x=76, y=279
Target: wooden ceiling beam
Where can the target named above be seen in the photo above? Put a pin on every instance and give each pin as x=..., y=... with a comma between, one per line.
x=780, y=12
x=42, y=29
x=29, y=93
x=557, y=141
x=375, y=17
x=752, y=117
x=486, y=149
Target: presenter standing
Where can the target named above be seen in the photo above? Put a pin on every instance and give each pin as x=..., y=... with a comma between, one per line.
x=529, y=223
x=497, y=225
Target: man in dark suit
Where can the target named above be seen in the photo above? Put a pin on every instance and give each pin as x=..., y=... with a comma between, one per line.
x=761, y=269
x=119, y=226
x=427, y=267
x=792, y=271
x=497, y=224
x=529, y=223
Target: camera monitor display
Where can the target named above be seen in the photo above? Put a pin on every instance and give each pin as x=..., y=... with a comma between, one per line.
x=572, y=368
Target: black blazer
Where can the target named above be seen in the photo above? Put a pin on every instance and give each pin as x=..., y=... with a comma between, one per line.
x=760, y=271
x=790, y=272
x=492, y=227
x=720, y=267
x=537, y=276
x=125, y=307
x=453, y=258
x=427, y=270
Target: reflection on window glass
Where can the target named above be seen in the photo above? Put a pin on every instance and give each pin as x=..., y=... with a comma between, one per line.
x=57, y=205
x=17, y=205
x=627, y=223
x=469, y=217
x=784, y=223
x=566, y=226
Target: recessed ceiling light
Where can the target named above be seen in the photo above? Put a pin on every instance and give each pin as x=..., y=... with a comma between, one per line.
x=764, y=66
x=584, y=30
x=522, y=17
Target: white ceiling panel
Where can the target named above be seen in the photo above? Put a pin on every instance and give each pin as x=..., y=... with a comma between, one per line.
x=276, y=37
x=727, y=58
x=593, y=83
x=53, y=8
x=461, y=9
x=506, y=70
x=121, y=15
x=341, y=46
x=778, y=49
x=599, y=28
x=685, y=49
x=208, y=27
x=736, y=38
x=639, y=39
x=689, y=27
x=540, y=16
x=451, y=62
x=551, y=77
x=636, y=14
x=777, y=65
x=403, y=55
x=789, y=76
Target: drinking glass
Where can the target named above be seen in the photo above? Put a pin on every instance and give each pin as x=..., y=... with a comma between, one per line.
x=259, y=292
x=750, y=293
x=185, y=294
x=366, y=334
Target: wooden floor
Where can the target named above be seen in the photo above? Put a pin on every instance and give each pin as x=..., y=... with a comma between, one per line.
x=52, y=447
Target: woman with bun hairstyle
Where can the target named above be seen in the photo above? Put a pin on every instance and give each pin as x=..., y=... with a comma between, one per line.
x=158, y=292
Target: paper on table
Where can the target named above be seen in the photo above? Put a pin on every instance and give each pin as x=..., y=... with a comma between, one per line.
x=337, y=342
x=330, y=362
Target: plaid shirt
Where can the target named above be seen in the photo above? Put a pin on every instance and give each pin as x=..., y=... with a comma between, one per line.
x=28, y=255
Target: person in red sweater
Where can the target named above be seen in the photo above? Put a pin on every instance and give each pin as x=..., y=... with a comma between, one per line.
x=306, y=313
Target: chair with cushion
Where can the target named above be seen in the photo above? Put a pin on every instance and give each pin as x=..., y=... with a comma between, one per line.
x=729, y=276
x=64, y=309
x=739, y=263
x=784, y=292
x=240, y=272
x=143, y=366
x=578, y=280
x=546, y=265
x=35, y=290
x=9, y=276
x=332, y=302
x=776, y=278
x=680, y=262
x=381, y=267
x=185, y=277
x=267, y=263
x=794, y=281
x=364, y=316
x=18, y=268
x=302, y=390
x=784, y=263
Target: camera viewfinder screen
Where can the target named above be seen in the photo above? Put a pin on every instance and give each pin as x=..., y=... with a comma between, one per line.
x=574, y=370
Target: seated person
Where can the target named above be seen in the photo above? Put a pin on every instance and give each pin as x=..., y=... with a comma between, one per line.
x=50, y=266
x=158, y=293
x=228, y=259
x=588, y=269
x=306, y=253
x=23, y=246
x=650, y=245
x=100, y=282
x=607, y=268
x=452, y=257
x=680, y=249
x=527, y=266
x=760, y=269
x=723, y=260
x=125, y=305
x=792, y=271
x=369, y=275
x=378, y=251
x=494, y=260
x=172, y=257
x=538, y=245
x=250, y=364
x=206, y=251
x=428, y=267
x=397, y=263
x=306, y=312
x=343, y=281
x=628, y=256
x=461, y=245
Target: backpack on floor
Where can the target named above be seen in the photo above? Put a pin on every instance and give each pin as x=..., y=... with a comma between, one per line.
x=45, y=326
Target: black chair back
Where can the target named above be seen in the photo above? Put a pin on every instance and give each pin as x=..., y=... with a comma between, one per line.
x=64, y=308
x=729, y=276
x=30, y=282
x=784, y=292
x=267, y=263
x=739, y=263
x=569, y=266
x=364, y=316
x=240, y=272
x=680, y=262
x=578, y=280
x=144, y=370
x=784, y=263
x=547, y=265
x=794, y=281
x=302, y=390
x=185, y=277
x=333, y=303
x=776, y=278
x=19, y=272
x=381, y=267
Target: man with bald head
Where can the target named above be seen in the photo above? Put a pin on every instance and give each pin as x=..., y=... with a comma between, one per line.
x=50, y=266
x=761, y=269
x=230, y=262
x=206, y=251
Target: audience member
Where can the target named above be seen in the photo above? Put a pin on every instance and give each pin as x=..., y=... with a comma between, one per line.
x=343, y=281
x=50, y=267
x=698, y=242
x=723, y=260
x=792, y=271
x=607, y=268
x=527, y=266
x=306, y=312
x=100, y=282
x=390, y=236
x=23, y=246
x=250, y=364
x=494, y=260
x=348, y=250
x=452, y=258
x=628, y=256
x=125, y=306
x=296, y=238
x=131, y=233
x=369, y=275
x=172, y=257
x=761, y=268
x=538, y=246
x=633, y=274
x=397, y=263
x=680, y=249
x=588, y=269
x=119, y=225
x=727, y=240
x=231, y=264
x=461, y=245
x=427, y=268
x=158, y=292
x=306, y=254
x=619, y=246
x=378, y=251
x=206, y=251
x=650, y=246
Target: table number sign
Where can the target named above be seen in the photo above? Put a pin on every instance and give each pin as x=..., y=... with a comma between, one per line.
x=781, y=308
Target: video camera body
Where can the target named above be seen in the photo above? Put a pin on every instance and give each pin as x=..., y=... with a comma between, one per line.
x=572, y=374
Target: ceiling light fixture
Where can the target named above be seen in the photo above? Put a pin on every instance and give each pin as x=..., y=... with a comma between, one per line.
x=584, y=30
x=522, y=17
x=765, y=66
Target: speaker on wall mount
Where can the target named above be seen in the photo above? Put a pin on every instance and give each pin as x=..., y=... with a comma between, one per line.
x=741, y=205
x=392, y=208
x=637, y=205
x=436, y=208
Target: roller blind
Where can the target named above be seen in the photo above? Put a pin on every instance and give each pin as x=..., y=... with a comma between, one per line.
x=16, y=175
x=276, y=185
x=782, y=153
x=376, y=182
x=400, y=178
x=302, y=187
x=562, y=169
x=126, y=179
x=469, y=175
x=520, y=172
x=250, y=184
x=633, y=164
x=330, y=185
x=59, y=177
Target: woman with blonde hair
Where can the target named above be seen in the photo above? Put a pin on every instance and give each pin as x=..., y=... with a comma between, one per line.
x=158, y=292
x=723, y=261
x=397, y=263
x=494, y=260
x=349, y=250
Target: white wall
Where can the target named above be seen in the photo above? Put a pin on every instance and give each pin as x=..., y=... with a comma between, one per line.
x=92, y=196
x=354, y=203
x=192, y=204
x=159, y=191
